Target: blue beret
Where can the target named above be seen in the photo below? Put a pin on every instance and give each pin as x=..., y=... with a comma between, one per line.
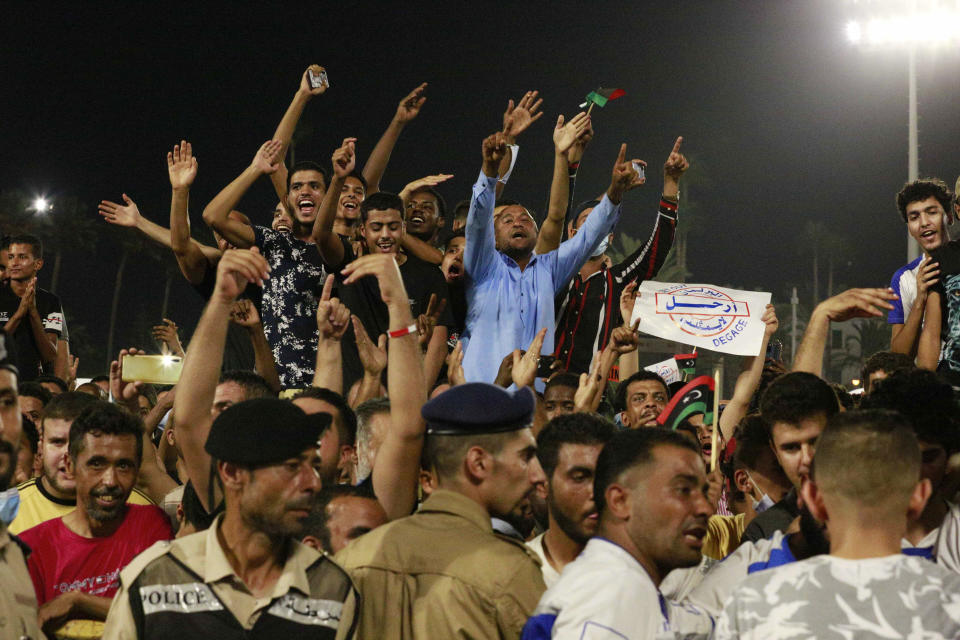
x=264, y=431
x=478, y=407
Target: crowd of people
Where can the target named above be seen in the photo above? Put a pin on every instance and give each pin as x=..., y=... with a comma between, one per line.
x=396, y=419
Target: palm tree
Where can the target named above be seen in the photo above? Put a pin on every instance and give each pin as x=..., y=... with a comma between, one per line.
x=131, y=244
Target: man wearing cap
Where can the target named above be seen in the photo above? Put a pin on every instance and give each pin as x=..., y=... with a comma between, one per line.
x=246, y=576
x=443, y=572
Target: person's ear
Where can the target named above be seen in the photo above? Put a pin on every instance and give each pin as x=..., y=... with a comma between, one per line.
x=312, y=542
x=441, y=221
x=478, y=464
x=813, y=499
x=918, y=499
x=69, y=465
x=232, y=475
x=742, y=480
x=625, y=419
x=618, y=501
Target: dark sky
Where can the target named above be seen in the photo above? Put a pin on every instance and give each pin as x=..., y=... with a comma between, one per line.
x=783, y=120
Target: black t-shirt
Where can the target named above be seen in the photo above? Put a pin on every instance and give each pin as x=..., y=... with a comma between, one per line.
x=776, y=518
x=24, y=350
x=420, y=279
x=238, y=352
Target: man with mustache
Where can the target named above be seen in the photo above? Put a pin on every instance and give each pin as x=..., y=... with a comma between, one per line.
x=76, y=560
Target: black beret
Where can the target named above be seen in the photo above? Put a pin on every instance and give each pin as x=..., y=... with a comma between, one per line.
x=264, y=431
x=478, y=407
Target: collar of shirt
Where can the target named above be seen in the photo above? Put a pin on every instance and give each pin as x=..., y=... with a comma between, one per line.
x=214, y=566
x=443, y=501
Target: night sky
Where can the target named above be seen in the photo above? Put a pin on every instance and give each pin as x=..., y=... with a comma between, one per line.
x=783, y=120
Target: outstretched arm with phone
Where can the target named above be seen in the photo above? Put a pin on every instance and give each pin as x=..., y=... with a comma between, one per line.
x=313, y=82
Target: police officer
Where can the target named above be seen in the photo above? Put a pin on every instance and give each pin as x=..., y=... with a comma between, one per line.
x=443, y=572
x=246, y=576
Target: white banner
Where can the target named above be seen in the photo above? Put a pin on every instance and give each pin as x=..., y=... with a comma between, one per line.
x=703, y=315
x=667, y=370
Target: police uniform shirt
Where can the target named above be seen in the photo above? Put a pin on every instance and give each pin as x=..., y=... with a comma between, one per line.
x=18, y=603
x=186, y=589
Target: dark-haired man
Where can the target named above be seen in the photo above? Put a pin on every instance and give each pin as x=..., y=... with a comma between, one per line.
x=796, y=407
x=558, y=398
x=341, y=514
x=381, y=229
x=53, y=493
x=246, y=576
x=641, y=398
x=924, y=206
x=864, y=587
x=76, y=560
x=443, y=572
x=880, y=365
x=651, y=494
x=338, y=443
x=567, y=449
x=32, y=316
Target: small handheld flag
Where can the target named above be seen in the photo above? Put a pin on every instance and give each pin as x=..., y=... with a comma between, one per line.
x=687, y=364
x=693, y=398
x=600, y=97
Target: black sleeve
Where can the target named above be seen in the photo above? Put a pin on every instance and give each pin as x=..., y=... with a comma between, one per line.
x=645, y=262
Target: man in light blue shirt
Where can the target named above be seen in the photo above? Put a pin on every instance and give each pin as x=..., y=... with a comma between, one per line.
x=510, y=290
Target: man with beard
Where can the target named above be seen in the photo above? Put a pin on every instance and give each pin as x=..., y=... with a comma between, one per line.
x=567, y=449
x=382, y=230
x=641, y=398
x=18, y=602
x=510, y=289
x=864, y=587
x=76, y=559
x=443, y=572
x=54, y=493
x=650, y=492
x=247, y=575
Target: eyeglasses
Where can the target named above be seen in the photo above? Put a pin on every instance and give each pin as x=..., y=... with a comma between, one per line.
x=423, y=206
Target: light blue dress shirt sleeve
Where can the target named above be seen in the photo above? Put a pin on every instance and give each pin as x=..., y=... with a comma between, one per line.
x=574, y=252
x=480, y=254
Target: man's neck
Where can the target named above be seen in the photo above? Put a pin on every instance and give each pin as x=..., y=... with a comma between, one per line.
x=60, y=495
x=591, y=266
x=344, y=228
x=559, y=548
x=521, y=261
x=81, y=524
x=18, y=286
x=618, y=536
x=858, y=540
x=256, y=558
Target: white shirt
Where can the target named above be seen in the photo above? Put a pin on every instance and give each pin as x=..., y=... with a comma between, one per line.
x=550, y=575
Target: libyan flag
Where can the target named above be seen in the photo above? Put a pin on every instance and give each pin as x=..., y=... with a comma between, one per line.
x=695, y=397
x=686, y=363
x=602, y=96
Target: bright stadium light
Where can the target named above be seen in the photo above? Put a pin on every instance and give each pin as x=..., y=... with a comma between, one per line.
x=933, y=25
x=41, y=205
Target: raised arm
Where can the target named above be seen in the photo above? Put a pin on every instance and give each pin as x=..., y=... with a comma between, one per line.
x=412, y=244
x=328, y=242
x=128, y=215
x=749, y=379
x=852, y=303
x=564, y=137
x=623, y=340
x=928, y=350
x=333, y=319
x=516, y=119
x=193, y=404
x=217, y=213
x=373, y=359
x=396, y=472
x=407, y=110
x=481, y=250
x=182, y=170
x=288, y=123
x=904, y=337
x=244, y=313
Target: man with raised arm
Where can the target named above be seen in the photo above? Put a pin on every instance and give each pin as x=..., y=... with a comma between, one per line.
x=200, y=396
x=587, y=309
x=510, y=290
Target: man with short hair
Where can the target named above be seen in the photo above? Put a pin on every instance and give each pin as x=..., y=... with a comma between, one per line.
x=865, y=587
x=558, y=397
x=77, y=558
x=796, y=407
x=373, y=422
x=650, y=490
x=341, y=514
x=880, y=365
x=53, y=493
x=567, y=448
x=33, y=316
x=510, y=289
x=924, y=206
x=641, y=398
x=247, y=575
x=381, y=230
x=442, y=572
x=52, y=383
x=338, y=444
x=33, y=398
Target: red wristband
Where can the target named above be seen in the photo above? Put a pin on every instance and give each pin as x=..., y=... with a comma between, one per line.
x=399, y=333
